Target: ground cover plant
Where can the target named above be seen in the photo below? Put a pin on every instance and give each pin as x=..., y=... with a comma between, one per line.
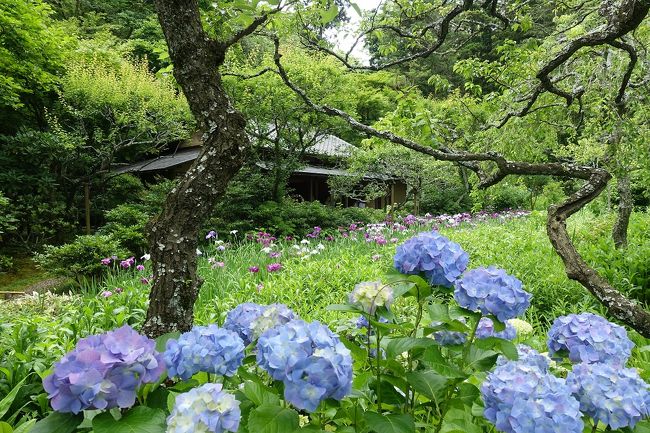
x=308, y=275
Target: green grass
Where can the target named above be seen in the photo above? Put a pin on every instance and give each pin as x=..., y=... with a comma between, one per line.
x=26, y=274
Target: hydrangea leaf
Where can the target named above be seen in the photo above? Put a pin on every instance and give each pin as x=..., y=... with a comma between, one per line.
x=140, y=419
x=389, y=423
x=58, y=422
x=500, y=345
x=404, y=344
x=434, y=359
x=459, y=421
x=428, y=383
x=260, y=394
x=161, y=341
x=273, y=419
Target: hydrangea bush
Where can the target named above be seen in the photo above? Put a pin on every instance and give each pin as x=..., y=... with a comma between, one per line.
x=433, y=347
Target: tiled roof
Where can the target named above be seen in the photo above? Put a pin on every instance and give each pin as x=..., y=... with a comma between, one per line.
x=330, y=145
x=327, y=145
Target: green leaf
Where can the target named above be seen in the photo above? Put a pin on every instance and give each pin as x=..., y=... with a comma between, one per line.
x=459, y=421
x=328, y=15
x=428, y=383
x=356, y=7
x=58, y=422
x=468, y=393
x=404, y=344
x=506, y=347
x=161, y=342
x=481, y=360
x=6, y=402
x=260, y=394
x=439, y=313
x=273, y=419
x=642, y=427
x=433, y=358
x=5, y=428
x=389, y=423
x=25, y=427
x=140, y=419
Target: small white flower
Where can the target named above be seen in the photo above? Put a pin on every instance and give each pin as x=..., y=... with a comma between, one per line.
x=198, y=252
x=267, y=250
x=146, y=257
x=233, y=232
x=320, y=246
x=304, y=241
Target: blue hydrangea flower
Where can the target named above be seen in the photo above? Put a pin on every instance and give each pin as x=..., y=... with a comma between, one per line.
x=104, y=371
x=205, y=409
x=521, y=398
x=370, y=295
x=441, y=260
x=240, y=318
x=589, y=338
x=450, y=338
x=310, y=360
x=205, y=348
x=362, y=322
x=492, y=291
x=529, y=356
x=611, y=394
x=485, y=329
x=273, y=315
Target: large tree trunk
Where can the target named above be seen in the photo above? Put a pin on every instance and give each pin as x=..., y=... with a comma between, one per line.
x=174, y=234
x=625, y=205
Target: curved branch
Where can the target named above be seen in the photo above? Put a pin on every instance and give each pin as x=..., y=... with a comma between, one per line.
x=595, y=179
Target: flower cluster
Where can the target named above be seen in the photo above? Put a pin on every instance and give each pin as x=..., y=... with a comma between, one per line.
x=492, y=291
x=273, y=315
x=240, y=318
x=485, y=329
x=519, y=397
x=103, y=371
x=589, y=338
x=441, y=260
x=529, y=356
x=310, y=360
x=205, y=409
x=205, y=348
x=610, y=394
x=370, y=295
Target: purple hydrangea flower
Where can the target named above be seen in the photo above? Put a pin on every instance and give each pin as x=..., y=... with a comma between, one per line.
x=211, y=235
x=273, y=267
x=310, y=360
x=520, y=398
x=126, y=264
x=589, y=338
x=205, y=409
x=104, y=371
x=441, y=260
x=485, y=329
x=140, y=268
x=205, y=348
x=254, y=269
x=240, y=319
x=610, y=394
x=492, y=291
x=106, y=261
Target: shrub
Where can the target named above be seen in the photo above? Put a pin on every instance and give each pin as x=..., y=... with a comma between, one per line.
x=6, y=263
x=81, y=258
x=126, y=224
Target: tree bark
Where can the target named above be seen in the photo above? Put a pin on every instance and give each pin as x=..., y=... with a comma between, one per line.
x=625, y=205
x=174, y=233
x=619, y=306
